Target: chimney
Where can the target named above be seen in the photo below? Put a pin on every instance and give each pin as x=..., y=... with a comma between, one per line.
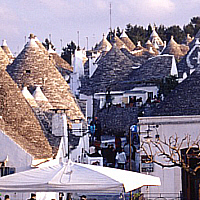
x=59, y=128
x=32, y=36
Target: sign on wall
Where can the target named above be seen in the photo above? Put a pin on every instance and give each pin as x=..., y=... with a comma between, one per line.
x=146, y=165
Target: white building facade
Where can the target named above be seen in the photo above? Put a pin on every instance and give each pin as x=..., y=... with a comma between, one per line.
x=167, y=126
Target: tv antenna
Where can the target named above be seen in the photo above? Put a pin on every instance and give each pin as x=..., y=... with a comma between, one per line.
x=110, y=16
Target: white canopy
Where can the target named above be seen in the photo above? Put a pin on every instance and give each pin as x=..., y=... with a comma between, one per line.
x=75, y=177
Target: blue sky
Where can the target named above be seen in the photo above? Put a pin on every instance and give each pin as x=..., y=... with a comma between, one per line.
x=63, y=18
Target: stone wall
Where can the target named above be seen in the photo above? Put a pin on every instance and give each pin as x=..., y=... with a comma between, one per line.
x=117, y=120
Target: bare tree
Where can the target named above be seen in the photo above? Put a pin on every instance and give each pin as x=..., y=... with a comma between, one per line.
x=173, y=151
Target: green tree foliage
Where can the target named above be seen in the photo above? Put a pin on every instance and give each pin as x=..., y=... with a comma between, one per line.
x=48, y=43
x=118, y=32
x=177, y=32
x=139, y=33
x=68, y=51
x=110, y=35
x=167, y=84
x=189, y=29
x=161, y=32
x=149, y=30
x=196, y=24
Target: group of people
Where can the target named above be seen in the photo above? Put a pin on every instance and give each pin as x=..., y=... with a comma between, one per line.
x=119, y=156
x=116, y=156
x=7, y=197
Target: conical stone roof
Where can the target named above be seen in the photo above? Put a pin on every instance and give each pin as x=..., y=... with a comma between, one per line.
x=4, y=60
x=19, y=121
x=104, y=45
x=173, y=48
x=62, y=66
x=119, y=43
x=41, y=100
x=33, y=67
x=151, y=48
x=154, y=69
x=191, y=60
x=7, y=51
x=141, y=51
x=155, y=39
x=112, y=69
x=183, y=100
x=124, y=37
x=61, y=63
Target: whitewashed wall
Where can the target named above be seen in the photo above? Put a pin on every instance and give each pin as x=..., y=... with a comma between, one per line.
x=17, y=157
x=180, y=125
x=89, y=105
x=78, y=61
x=76, y=154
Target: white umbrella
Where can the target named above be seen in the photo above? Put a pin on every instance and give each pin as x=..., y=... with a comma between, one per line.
x=75, y=177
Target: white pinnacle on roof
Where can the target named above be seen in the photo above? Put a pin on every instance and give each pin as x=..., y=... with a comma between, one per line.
x=7, y=50
x=41, y=100
x=172, y=41
x=154, y=33
x=38, y=95
x=4, y=43
x=139, y=44
x=50, y=49
x=148, y=42
x=154, y=38
x=31, y=42
x=124, y=35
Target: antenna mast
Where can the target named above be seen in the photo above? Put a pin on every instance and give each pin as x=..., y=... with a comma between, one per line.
x=110, y=16
x=78, y=39
x=50, y=37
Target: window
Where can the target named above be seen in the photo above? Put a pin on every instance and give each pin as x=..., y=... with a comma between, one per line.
x=28, y=71
x=150, y=95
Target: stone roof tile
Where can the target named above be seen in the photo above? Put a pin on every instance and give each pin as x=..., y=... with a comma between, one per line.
x=190, y=60
x=124, y=38
x=112, y=69
x=20, y=121
x=104, y=45
x=33, y=67
x=183, y=100
x=7, y=51
x=153, y=69
x=175, y=49
x=4, y=60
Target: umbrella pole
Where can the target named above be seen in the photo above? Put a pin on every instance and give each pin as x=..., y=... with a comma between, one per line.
x=131, y=195
x=130, y=167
